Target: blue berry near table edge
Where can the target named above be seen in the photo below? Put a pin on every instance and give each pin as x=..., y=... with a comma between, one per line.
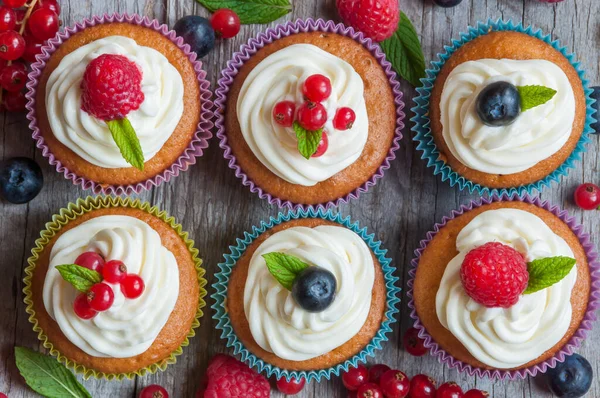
x=197, y=32
x=21, y=180
x=571, y=378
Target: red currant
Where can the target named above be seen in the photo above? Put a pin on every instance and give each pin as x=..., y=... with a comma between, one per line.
x=587, y=196
x=449, y=390
x=323, y=145
x=413, y=343
x=51, y=4
x=154, y=391
x=344, y=118
x=394, y=384
x=114, y=271
x=292, y=387
x=355, y=377
x=12, y=45
x=14, y=3
x=82, y=308
x=317, y=88
x=132, y=286
x=283, y=113
x=20, y=15
x=369, y=390
x=476, y=394
x=13, y=77
x=14, y=101
x=312, y=115
x=225, y=22
x=3, y=395
x=422, y=386
x=32, y=48
x=8, y=18
x=376, y=371
x=352, y=394
x=90, y=260
x=43, y=23
x=101, y=297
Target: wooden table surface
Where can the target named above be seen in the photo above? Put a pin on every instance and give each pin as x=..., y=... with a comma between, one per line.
x=215, y=208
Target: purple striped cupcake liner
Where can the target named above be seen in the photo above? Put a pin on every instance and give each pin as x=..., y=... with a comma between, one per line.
x=573, y=343
x=270, y=35
x=187, y=158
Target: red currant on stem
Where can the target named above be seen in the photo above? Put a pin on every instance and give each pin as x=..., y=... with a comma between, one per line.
x=8, y=18
x=154, y=391
x=316, y=88
x=413, y=343
x=82, y=308
x=283, y=113
x=395, y=384
x=51, y=4
x=587, y=196
x=422, y=386
x=14, y=3
x=14, y=101
x=225, y=22
x=369, y=390
x=12, y=45
x=132, y=286
x=90, y=260
x=43, y=23
x=3, y=395
x=376, y=371
x=323, y=145
x=449, y=390
x=476, y=394
x=114, y=271
x=13, y=77
x=32, y=48
x=312, y=115
x=292, y=387
x=100, y=297
x=344, y=118
x=355, y=377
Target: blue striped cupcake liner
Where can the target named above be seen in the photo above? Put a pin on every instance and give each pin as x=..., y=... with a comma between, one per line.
x=421, y=120
x=220, y=296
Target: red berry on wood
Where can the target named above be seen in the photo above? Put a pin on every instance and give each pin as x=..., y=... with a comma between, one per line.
x=413, y=343
x=369, y=390
x=13, y=77
x=292, y=387
x=14, y=101
x=355, y=377
x=449, y=390
x=376, y=371
x=395, y=384
x=422, y=386
x=43, y=23
x=154, y=391
x=225, y=23
x=12, y=45
x=587, y=196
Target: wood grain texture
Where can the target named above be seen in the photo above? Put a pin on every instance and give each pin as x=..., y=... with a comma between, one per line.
x=215, y=208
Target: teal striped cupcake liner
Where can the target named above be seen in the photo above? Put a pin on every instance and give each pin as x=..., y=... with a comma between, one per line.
x=220, y=296
x=421, y=121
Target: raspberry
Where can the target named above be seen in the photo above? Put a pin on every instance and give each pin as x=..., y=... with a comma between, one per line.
x=230, y=378
x=111, y=87
x=494, y=275
x=377, y=19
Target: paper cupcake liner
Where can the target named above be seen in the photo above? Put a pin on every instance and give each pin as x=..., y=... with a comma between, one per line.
x=220, y=297
x=422, y=122
x=568, y=348
x=70, y=213
x=196, y=146
x=268, y=36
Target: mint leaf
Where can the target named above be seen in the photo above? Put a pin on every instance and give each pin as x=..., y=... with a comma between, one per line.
x=532, y=96
x=404, y=52
x=251, y=11
x=80, y=277
x=284, y=267
x=308, y=141
x=545, y=272
x=127, y=141
x=46, y=376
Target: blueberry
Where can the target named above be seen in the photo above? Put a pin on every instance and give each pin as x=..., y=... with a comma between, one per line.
x=314, y=289
x=197, y=32
x=447, y=3
x=21, y=180
x=596, y=95
x=498, y=104
x=572, y=378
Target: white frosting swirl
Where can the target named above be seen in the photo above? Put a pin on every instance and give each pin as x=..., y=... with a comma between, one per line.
x=507, y=338
x=280, y=77
x=130, y=326
x=535, y=135
x=278, y=324
x=88, y=137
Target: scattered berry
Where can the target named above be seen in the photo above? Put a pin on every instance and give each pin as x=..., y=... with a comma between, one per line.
x=3, y=395
x=291, y=387
x=90, y=260
x=100, y=297
x=8, y=18
x=312, y=115
x=355, y=377
x=20, y=15
x=413, y=344
x=32, y=48
x=154, y=391
x=449, y=390
x=376, y=371
x=51, y=4
x=571, y=378
x=132, y=286
x=377, y=19
x=369, y=390
x=14, y=101
x=12, y=45
x=228, y=377
x=111, y=87
x=344, y=119
x=197, y=32
x=13, y=77
x=422, y=386
x=447, y=3
x=494, y=275
x=226, y=23
x=82, y=308
x=314, y=289
x=323, y=145
x=498, y=104
x=114, y=271
x=394, y=384
x=21, y=180
x=316, y=88
x=14, y=3
x=43, y=23
x=283, y=113
x=476, y=394
x=587, y=196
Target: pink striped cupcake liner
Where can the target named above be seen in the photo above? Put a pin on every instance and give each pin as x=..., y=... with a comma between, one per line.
x=575, y=341
x=187, y=158
x=268, y=36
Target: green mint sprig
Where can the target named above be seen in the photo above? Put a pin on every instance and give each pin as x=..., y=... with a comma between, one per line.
x=284, y=268
x=47, y=376
x=127, y=140
x=251, y=11
x=532, y=96
x=545, y=272
x=308, y=141
x=80, y=277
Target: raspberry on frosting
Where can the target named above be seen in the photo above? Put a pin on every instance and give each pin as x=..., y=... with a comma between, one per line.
x=226, y=377
x=111, y=87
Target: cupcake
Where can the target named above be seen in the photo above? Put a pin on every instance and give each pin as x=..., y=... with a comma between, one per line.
x=305, y=296
x=119, y=104
x=309, y=113
x=114, y=288
x=504, y=109
x=504, y=288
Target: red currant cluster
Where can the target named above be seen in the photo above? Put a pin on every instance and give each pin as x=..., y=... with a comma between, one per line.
x=312, y=115
x=100, y=297
x=24, y=27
